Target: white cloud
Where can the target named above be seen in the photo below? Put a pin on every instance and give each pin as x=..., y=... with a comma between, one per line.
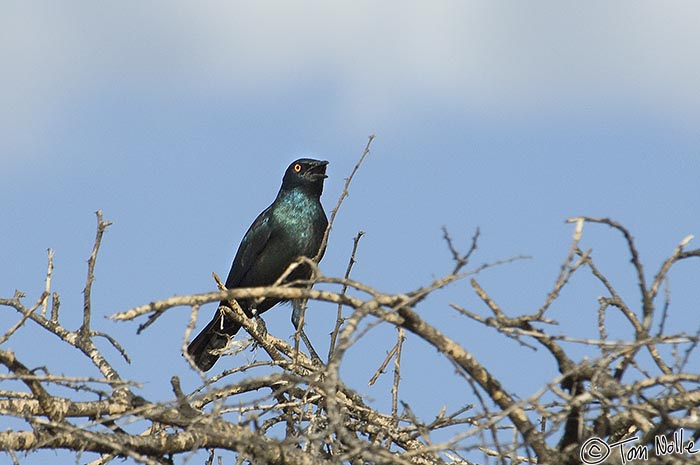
x=500, y=56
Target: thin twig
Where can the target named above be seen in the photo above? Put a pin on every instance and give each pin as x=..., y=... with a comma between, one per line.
x=342, y=197
x=401, y=337
x=339, y=317
x=383, y=365
x=566, y=269
x=47, y=288
x=666, y=266
x=647, y=306
x=101, y=227
x=461, y=260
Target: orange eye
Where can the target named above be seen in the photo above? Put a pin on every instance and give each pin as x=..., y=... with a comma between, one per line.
x=297, y=168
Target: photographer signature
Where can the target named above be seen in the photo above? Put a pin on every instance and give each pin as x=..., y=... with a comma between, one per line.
x=595, y=450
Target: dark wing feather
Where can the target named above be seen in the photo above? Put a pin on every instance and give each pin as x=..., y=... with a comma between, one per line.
x=253, y=243
x=215, y=334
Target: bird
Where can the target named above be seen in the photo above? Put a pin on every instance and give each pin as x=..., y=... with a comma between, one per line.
x=294, y=225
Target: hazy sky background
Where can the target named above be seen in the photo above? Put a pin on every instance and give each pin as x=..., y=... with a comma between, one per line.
x=177, y=119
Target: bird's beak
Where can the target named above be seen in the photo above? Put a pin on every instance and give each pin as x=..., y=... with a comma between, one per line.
x=319, y=170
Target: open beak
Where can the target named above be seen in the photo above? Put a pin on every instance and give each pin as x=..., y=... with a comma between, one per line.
x=318, y=171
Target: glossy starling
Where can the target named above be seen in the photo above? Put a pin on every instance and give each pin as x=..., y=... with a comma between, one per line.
x=293, y=226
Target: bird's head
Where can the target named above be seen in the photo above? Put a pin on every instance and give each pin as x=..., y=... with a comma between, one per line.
x=305, y=173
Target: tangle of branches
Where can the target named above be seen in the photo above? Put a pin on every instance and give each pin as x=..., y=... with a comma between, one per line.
x=288, y=410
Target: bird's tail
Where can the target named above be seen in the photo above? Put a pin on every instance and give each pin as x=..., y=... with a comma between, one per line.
x=203, y=349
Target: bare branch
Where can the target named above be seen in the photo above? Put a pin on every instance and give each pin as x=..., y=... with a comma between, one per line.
x=342, y=197
x=339, y=318
x=101, y=228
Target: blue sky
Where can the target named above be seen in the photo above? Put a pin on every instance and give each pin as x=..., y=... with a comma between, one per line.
x=178, y=119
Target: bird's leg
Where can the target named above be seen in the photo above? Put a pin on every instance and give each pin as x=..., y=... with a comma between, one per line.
x=298, y=308
x=260, y=326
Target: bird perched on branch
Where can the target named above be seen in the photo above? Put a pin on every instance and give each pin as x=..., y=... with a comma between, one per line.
x=292, y=227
